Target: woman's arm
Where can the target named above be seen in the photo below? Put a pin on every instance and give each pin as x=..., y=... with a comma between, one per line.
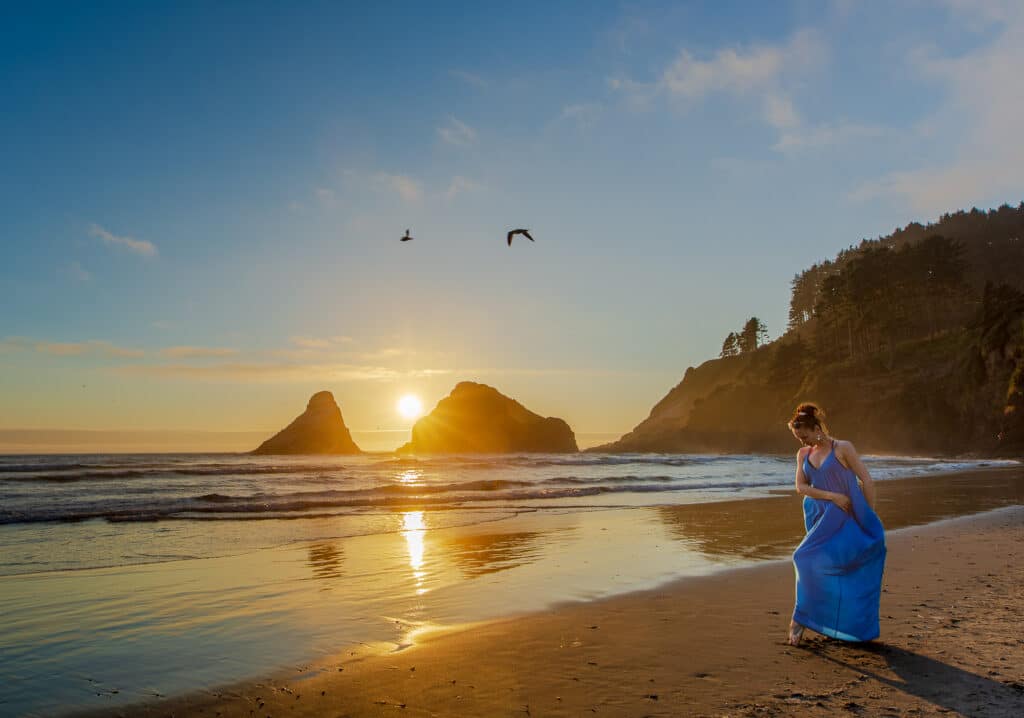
x=804, y=488
x=848, y=454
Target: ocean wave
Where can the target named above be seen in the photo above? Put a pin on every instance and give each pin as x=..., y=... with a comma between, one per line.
x=160, y=471
x=387, y=497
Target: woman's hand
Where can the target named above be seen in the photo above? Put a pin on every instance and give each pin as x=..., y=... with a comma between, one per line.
x=842, y=501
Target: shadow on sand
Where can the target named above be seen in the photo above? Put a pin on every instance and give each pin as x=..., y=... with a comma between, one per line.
x=939, y=683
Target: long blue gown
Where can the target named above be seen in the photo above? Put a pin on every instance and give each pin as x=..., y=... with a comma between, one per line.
x=840, y=561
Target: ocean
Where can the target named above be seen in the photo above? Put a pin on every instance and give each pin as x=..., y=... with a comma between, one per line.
x=128, y=577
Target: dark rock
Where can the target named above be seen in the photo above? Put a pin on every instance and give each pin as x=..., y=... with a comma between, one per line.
x=476, y=418
x=318, y=430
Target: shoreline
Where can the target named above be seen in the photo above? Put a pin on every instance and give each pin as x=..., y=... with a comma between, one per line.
x=699, y=645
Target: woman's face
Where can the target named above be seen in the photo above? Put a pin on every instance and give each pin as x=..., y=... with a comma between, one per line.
x=805, y=434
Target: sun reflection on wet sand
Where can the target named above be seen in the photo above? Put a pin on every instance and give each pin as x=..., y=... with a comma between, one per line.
x=413, y=530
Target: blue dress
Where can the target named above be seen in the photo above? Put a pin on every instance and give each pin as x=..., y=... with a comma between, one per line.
x=840, y=561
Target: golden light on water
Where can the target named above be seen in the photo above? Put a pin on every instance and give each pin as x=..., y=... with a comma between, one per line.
x=413, y=529
x=410, y=477
x=410, y=406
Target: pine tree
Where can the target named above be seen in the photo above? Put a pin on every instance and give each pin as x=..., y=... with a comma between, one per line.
x=730, y=347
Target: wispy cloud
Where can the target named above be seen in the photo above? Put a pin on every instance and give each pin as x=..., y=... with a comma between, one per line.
x=779, y=112
x=826, y=135
x=278, y=372
x=406, y=187
x=138, y=246
x=460, y=185
x=188, y=352
x=457, y=133
x=759, y=72
x=984, y=94
x=320, y=342
x=92, y=347
x=15, y=344
x=470, y=78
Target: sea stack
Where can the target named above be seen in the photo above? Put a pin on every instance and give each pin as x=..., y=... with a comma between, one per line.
x=476, y=418
x=318, y=430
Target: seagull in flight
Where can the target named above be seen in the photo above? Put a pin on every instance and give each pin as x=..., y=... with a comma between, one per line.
x=524, y=232
x=406, y=238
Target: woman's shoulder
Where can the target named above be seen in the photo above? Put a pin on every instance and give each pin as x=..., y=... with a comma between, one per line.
x=845, y=451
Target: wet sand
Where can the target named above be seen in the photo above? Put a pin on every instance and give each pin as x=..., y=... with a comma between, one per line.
x=952, y=609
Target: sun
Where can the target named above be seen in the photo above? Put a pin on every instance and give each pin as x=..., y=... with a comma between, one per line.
x=410, y=406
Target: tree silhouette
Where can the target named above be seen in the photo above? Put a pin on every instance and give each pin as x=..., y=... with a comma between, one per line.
x=752, y=335
x=730, y=347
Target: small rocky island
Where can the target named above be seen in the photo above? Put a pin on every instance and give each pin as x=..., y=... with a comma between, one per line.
x=318, y=430
x=476, y=418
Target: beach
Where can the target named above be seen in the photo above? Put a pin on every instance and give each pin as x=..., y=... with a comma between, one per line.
x=710, y=645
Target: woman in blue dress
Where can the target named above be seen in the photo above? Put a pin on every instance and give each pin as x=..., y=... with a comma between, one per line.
x=840, y=561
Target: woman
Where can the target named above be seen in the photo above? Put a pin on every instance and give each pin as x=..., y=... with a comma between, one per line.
x=839, y=563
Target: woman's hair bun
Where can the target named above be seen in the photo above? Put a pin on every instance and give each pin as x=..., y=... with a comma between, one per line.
x=812, y=410
x=808, y=414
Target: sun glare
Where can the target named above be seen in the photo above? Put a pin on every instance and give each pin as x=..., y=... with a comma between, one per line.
x=410, y=406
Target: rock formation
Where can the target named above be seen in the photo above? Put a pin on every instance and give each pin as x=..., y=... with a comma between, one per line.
x=476, y=418
x=318, y=430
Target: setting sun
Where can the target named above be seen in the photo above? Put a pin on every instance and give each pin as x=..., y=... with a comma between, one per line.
x=410, y=406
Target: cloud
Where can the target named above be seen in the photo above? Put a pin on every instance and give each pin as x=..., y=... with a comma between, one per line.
x=277, y=372
x=319, y=343
x=310, y=343
x=761, y=72
x=406, y=187
x=183, y=352
x=459, y=185
x=729, y=71
x=826, y=135
x=779, y=112
x=457, y=133
x=754, y=70
x=469, y=78
x=139, y=246
x=90, y=347
x=14, y=344
x=977, y=126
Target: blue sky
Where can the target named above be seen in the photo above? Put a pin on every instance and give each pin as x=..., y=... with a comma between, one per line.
x=202, y=202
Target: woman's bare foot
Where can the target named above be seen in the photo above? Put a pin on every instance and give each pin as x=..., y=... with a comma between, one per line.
x=796, y=633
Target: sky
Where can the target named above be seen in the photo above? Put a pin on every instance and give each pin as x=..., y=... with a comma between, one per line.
x=201, y=203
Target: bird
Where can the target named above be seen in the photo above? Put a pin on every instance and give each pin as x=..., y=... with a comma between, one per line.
x=524, y=232
x=406, y=238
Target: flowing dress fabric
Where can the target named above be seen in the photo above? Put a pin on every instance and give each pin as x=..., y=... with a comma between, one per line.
x=840, y=561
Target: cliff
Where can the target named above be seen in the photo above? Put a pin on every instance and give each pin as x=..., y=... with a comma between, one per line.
x=958, y=392
x=913, y=343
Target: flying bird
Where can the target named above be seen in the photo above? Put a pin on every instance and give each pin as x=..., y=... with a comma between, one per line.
x=406, y=238
x=524, y=232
